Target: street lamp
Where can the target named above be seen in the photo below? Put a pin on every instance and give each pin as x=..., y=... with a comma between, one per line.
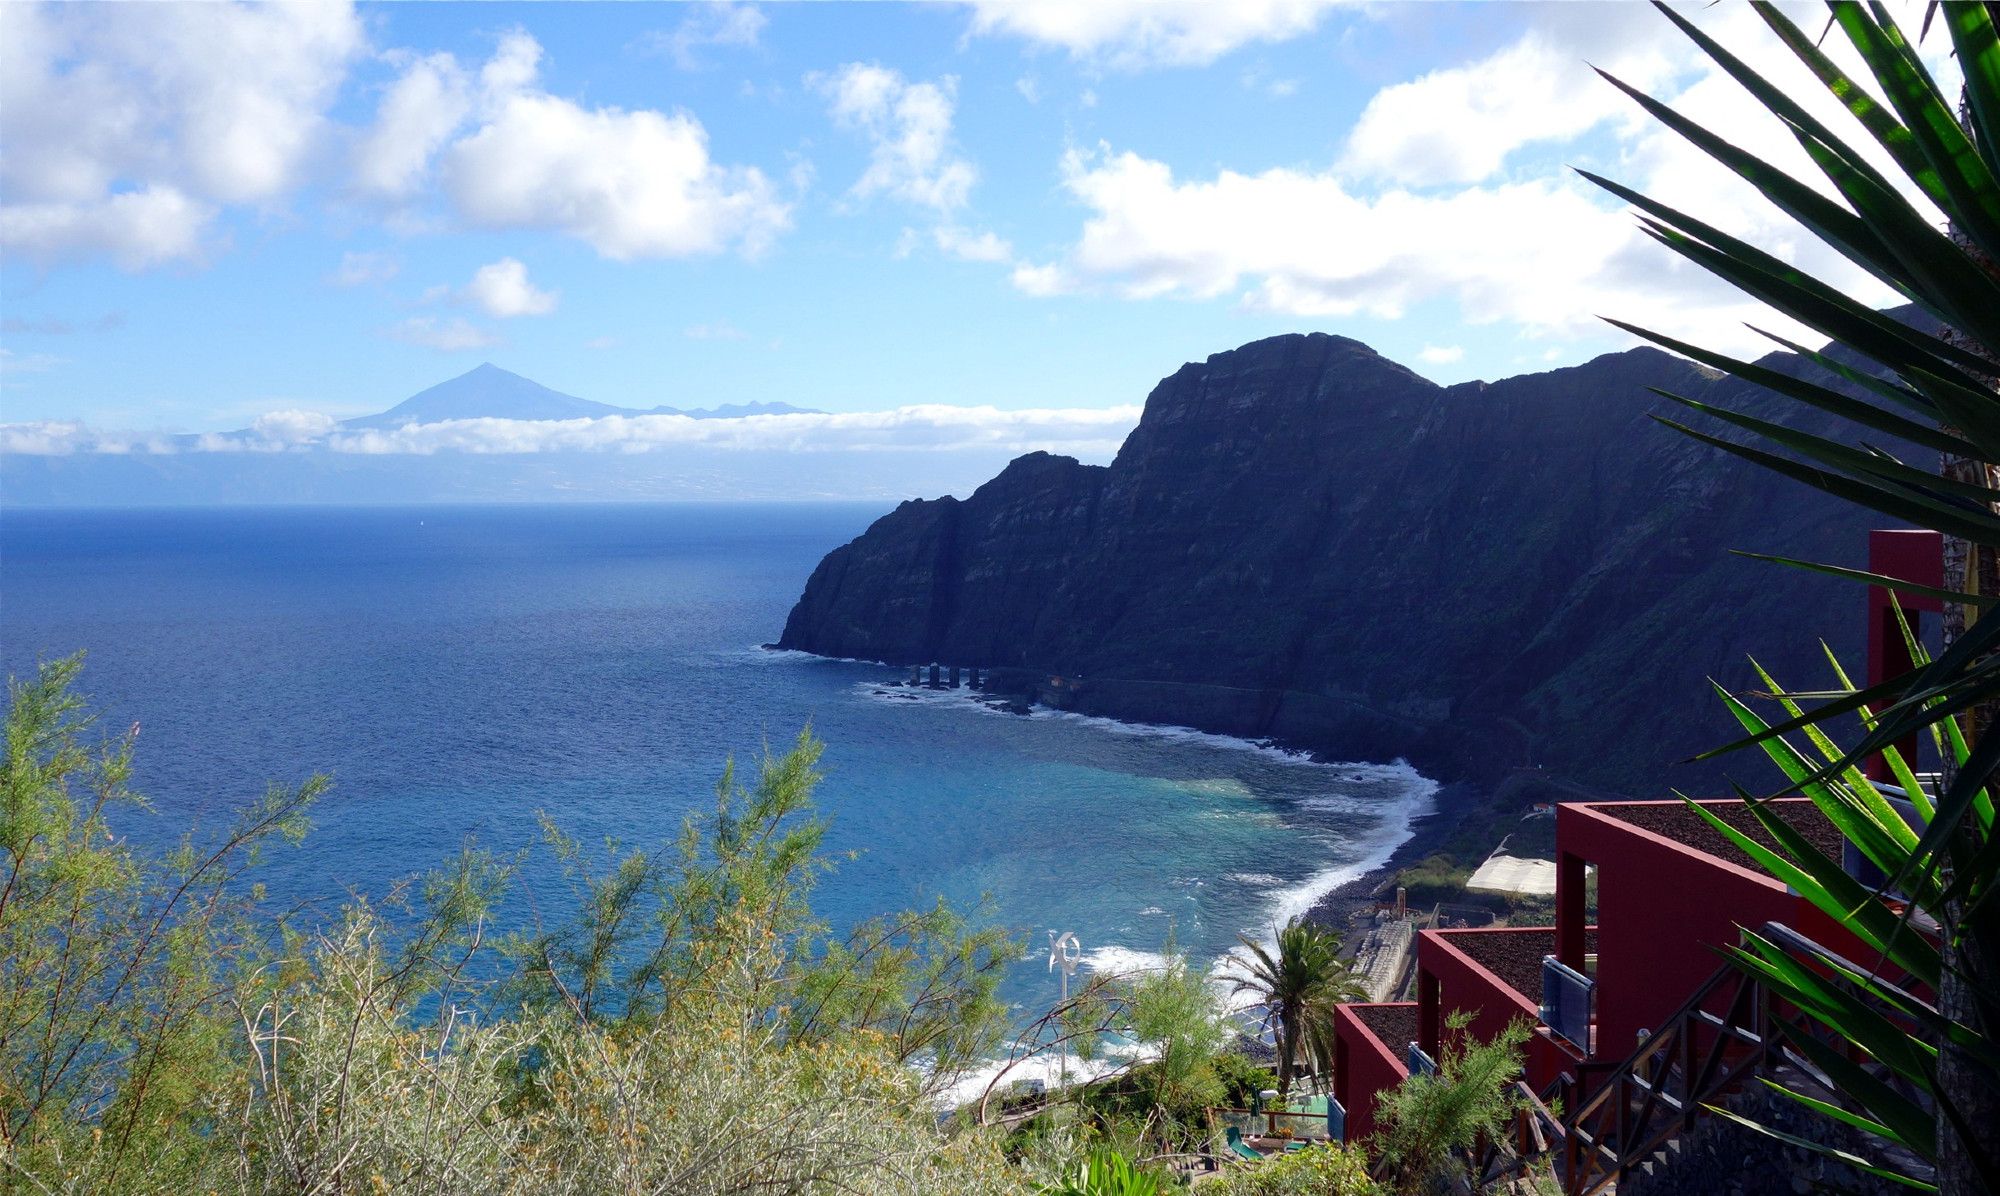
x=1065, y=952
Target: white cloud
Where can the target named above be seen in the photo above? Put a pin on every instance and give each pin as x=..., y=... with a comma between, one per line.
x=292, y=426
x=60, y=438
x=600, y=343
x=908, y=125
x=1459, y=125
x=419, y=111
x=1134, y=34
x=713, y=24
x=454, y=335
x=929, y=427
x=501, y=289
x=720, y=330
x=361, y=268
x=1441, y=354
x=921, y=428
x=137, y=230
x=631, y=184
x=971, y=247
x=127, y=128
x=1418, y=210
x=1304, y=244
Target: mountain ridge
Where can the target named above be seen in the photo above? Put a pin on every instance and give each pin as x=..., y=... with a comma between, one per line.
x=1306, y=541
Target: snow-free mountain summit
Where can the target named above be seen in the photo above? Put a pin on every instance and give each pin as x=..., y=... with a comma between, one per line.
x=489, y=392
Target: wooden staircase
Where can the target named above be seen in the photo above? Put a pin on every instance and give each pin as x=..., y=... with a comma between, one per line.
x=1601, y=1123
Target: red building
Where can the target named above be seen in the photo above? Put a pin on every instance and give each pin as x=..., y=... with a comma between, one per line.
x=1671, y=893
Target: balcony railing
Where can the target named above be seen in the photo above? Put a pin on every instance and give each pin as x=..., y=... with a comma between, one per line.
x=1569, y=1000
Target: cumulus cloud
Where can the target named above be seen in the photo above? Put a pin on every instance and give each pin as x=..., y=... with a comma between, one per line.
x=921, y=428
x=1303, y=243
x=128, y=129
x=908, y=126
x=1416, y=210
x=452, y=335
x=631, y=184
x=501, y=289
x=1441, y=354
x=418, y=112
x=719, y=24
x=137, y=230
x=1135, y=34
x=361, y=268
x=1460, y=125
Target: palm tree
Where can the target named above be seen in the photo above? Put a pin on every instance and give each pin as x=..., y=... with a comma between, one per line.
x=1300, y=985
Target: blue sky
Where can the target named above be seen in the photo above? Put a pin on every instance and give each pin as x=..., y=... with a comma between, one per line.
x=209, y=214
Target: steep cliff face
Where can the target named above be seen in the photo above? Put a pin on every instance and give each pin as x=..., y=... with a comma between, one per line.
x=1305, y=540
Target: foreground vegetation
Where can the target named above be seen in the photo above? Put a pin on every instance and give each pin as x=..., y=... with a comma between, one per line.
x=692, y=1028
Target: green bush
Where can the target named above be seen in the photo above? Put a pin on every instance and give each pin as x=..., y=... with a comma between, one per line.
x=1324, y=1170
x=1242, y=1079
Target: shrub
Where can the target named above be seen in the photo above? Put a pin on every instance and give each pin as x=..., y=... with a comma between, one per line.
x=1324, y=1170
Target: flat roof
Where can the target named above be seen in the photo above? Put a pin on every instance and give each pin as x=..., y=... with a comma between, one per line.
x=1673, y=820
x=1395, y=1026
x=1515, y=874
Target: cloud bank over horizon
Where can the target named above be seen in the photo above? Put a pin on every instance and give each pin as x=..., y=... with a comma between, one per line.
x=1091, y=433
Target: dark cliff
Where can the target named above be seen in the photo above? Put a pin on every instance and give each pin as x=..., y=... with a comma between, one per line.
x=1305, y=540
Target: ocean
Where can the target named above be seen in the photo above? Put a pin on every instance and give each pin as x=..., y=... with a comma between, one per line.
x=458, y=669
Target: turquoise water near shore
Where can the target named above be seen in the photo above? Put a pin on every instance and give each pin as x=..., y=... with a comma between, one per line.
x=459, y=668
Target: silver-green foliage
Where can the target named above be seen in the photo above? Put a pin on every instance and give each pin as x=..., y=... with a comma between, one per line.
x=694, y=1030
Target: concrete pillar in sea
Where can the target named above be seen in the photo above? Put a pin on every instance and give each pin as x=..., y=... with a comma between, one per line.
x=954, y=676
x=916, y=674
x=935, y=672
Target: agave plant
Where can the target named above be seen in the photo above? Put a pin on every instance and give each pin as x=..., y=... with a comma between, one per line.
x=1108, y=1173
x=1892, y=1088
x=1300, y=983
x=1931, y=386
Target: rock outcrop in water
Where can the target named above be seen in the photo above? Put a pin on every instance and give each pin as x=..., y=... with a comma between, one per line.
x=1307, y=541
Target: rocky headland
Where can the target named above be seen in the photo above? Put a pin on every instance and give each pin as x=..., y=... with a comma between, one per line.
x=1307, y=542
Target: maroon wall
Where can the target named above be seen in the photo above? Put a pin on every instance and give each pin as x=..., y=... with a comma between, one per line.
x=1450, y=980
x=1664, y=910
x=1364, y=1066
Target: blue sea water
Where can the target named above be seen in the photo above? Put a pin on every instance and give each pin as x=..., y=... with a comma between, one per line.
x=457, y=669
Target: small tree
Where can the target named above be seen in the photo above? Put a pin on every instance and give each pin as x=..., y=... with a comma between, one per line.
x=1429, y=1121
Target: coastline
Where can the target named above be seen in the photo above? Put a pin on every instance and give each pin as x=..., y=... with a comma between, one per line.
x=1444, y=816
x=1452, y=806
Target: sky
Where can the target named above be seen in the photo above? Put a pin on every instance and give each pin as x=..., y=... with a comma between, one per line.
x=218, y=214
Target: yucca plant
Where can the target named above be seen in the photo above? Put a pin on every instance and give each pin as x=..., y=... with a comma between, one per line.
x=1930, y=382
